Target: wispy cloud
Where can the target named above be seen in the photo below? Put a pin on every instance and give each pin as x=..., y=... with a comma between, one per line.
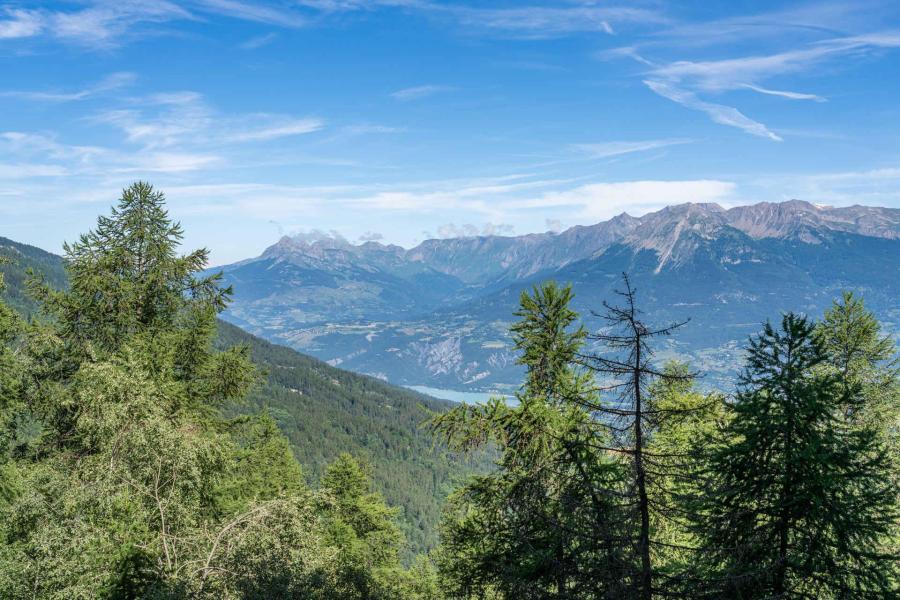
x=19, y=23
x=419, y=92
x=109, y=83
x=719, y=113
x=528, y=21
x=169, y=162
x=284, y=129
x=29, y=170
x=807, y=37
x=541, y=22
x=186, y=119
x=101, y=24
x=596, y=201
x=785, y=94
x=259, y=41
x=253, y=11
x=611, y=149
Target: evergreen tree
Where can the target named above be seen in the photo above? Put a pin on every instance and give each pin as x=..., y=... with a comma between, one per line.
x=364, y=530
x=536, y=528
x=799, y=505
x=10, y=382
x=133, y=484
x=865, y=363
x=680, y=420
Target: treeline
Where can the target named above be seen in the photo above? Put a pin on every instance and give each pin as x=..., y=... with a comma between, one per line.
x=620, y=479
x=126, y=472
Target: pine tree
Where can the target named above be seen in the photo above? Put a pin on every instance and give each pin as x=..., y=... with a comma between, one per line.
x=799, y=505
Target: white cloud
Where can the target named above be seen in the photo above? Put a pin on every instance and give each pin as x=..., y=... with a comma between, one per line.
x=184, y=118
x=785, y=94
x=285, y=129
x=259, y=41
x=419, y=92
x=102, y=24
x=253, y=11
x=371, y=236
x=28, y=170
x=169, y=162
x=546, y=22
x=108, y=83
x=610, y=149
x=597, y=201
x=682, y=80
x=451, y=230
x=724, y=115
x=20, y=23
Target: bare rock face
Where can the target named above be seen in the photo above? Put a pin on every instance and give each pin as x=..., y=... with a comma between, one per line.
x=804, y=221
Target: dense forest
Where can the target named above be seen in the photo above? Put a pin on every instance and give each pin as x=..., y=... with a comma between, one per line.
x=140, y=456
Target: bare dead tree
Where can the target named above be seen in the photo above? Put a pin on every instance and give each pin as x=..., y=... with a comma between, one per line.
x=626, y=370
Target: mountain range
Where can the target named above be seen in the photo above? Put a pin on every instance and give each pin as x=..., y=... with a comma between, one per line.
x=438, y=314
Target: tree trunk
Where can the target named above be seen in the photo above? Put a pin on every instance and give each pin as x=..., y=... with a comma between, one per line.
x=645, y=587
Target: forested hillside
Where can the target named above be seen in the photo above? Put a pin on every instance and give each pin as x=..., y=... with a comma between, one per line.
x=323, y=411
x=19, y=259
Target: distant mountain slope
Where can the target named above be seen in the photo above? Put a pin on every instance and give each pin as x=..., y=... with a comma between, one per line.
x=323, y=411
x=21, y=257
x=728, y=270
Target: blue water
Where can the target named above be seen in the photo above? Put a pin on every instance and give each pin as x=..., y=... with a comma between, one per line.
x=456, y=396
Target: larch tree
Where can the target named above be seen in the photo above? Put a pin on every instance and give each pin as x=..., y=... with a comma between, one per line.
x=535, y=528
x=798, y=504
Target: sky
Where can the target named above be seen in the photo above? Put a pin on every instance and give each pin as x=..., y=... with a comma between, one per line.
x=403, y=120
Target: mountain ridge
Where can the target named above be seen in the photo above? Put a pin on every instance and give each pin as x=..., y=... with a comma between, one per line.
x=437, y=314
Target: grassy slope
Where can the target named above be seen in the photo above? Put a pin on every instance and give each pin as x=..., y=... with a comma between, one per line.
x=323, y=411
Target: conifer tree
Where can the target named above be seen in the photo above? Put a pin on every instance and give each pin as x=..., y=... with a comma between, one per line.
x=10, y=382
x=535, y=528
x=134, y=484
x=799, y=505
x=864, y=361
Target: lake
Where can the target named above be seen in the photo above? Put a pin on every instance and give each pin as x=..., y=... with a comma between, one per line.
x=457, y=396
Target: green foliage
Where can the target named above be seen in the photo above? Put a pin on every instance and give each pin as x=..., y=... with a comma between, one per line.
x=133, y=484
x=681, y=419
x=799, y=506
x=535, y=527
x=864, y=361
x=324, y=412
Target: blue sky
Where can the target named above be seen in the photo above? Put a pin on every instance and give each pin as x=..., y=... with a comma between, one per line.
x=397, y=120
